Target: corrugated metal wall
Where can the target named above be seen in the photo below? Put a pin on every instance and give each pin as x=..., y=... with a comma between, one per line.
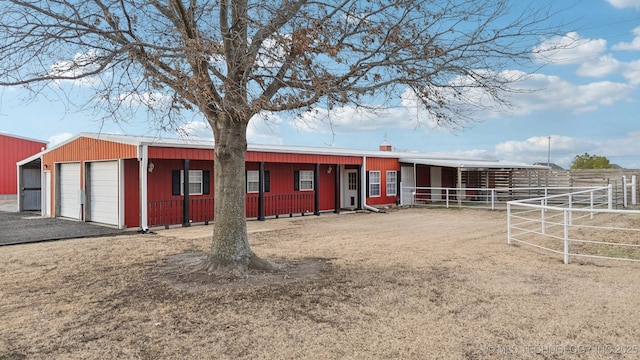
x=82, y=150
x=12, y=150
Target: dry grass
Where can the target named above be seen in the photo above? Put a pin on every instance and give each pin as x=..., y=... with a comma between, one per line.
x=415, y=283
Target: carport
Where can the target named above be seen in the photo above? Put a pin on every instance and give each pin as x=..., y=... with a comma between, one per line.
x=30, y=180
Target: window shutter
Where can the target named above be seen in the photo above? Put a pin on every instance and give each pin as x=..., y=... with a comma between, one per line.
x=367, y=183
x=398, y=180
x=175, y=182
x=206, y=182
x=296, y=180
x=267, y=182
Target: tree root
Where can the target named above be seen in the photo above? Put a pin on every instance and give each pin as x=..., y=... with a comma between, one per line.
x=220, y=268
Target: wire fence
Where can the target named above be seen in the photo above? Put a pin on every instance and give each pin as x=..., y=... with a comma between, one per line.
x=581, y=223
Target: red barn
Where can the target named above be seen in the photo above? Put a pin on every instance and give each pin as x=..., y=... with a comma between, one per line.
x=140, y=182
x=13, y=149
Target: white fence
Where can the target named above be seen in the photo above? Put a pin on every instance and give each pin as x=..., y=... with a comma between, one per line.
x=623, y=195
x=580, y=223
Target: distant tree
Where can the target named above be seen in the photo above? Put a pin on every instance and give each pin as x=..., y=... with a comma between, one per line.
x=586, y=161
x=232, y=60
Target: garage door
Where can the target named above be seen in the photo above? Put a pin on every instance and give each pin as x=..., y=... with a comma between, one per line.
x=103, y=192
x=70, y=190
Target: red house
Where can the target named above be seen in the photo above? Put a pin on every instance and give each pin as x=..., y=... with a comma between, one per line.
x=13, y=149
x=140, y=182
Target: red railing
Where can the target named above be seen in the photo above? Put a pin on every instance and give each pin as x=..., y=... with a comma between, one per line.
x=281, y=204
x=169, y=212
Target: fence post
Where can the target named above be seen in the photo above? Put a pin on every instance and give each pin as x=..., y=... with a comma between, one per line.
x=493, y=199
x=610, y=195
x=447, y=196
x=566, y=236
x=624, y=191
x=633, y=191
x=570, y=207
x=591, y=203
x=508, y=223
x=542, y=206
x=401, y=192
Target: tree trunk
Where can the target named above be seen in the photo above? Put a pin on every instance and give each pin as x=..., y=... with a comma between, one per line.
x=230, y=253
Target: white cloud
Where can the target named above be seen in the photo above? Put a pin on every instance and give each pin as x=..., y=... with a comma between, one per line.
x=81, y=64
x=565, y=148
x=265, y=129
x=622, y=4
x=349, y=119
x=151, y=100
x=196, y=129
x=633, y=45
x=632, y=72
x=569, y=49
x=600, y=67
x=552, y=93
x=58, y=139
x=536, y=149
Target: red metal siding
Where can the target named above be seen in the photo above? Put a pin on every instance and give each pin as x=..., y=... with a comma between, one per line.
x=273, y=157
x=131, y=193
x=180, y=153
x=12, y=150
x=165, y=208
x=383, y=165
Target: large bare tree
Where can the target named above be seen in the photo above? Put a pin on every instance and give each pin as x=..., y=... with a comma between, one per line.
x=232, y=60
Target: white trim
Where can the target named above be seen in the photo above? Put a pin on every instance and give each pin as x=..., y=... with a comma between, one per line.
x=121, y=192
x=379, y=183
x=300, y=180
x=257, y=173
x=144, y=163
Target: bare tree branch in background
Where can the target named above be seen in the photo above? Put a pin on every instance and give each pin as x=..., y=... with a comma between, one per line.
x=232, y=59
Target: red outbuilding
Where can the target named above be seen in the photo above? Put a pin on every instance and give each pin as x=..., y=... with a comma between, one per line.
x=13, y=149
x=140, y=182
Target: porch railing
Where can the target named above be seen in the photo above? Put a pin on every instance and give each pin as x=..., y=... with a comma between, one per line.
x=281, y=204
x=169, y=212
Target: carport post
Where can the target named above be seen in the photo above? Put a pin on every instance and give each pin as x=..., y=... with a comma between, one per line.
x=316, y=195
x=185, y=199
x=261, y=192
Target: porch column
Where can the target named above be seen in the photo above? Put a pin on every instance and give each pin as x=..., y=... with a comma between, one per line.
x=316, y=195
x=336, y=198
x=185, y=198
x=261, y=192
x=359, y=189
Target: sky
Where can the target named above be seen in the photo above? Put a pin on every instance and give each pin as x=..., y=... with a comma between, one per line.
x=586, y=101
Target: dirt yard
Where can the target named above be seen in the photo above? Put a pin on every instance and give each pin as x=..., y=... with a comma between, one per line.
x=408, y=284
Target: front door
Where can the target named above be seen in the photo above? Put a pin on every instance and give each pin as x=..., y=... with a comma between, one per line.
x=350, y=193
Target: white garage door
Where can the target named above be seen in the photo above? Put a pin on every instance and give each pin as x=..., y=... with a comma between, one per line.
x=103, y=192
x=70, y=190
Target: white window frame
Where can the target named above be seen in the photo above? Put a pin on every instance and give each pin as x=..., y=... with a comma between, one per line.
x=392, y=183
x=305, y=180
x=253, y=181
x=192, y=176
x=374, y=185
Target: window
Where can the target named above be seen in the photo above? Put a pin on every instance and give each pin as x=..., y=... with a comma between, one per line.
x=306, y=180
x=374, y=183
x=199, y=183
x=392, y=183
x=195, y=182
x=253, y=181
x=353, y=181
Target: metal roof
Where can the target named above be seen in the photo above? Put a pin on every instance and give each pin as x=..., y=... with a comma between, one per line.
x=472, y=164
x=403, y=157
